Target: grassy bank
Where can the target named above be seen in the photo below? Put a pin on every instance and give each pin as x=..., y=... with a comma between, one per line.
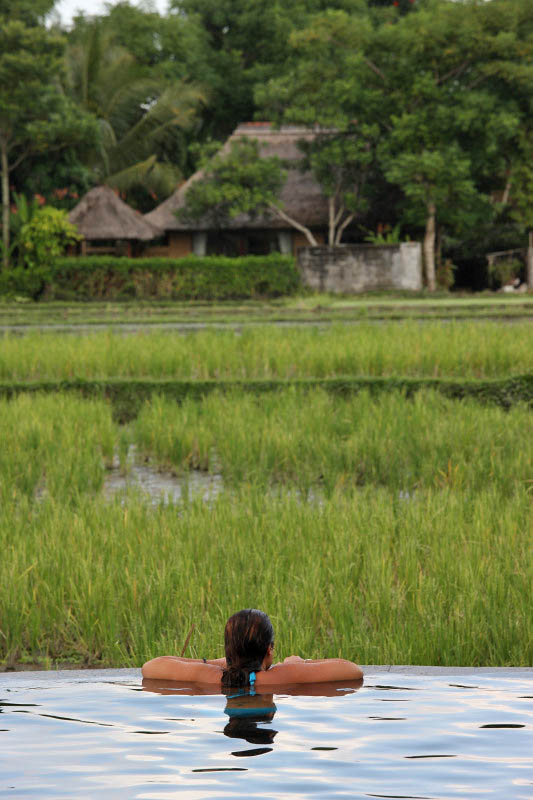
x=459, y=350
x=298, y=308
x=128, y=396
x=414, y=550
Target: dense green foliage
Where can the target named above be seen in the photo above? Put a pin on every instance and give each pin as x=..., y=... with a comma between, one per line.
x=238, y=182
x=190, y=278
x=44, y=237
x=424, y=109
x=35, y=114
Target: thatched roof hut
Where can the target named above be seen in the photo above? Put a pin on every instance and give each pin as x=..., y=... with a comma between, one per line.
x=301, y=196
x=102, y=215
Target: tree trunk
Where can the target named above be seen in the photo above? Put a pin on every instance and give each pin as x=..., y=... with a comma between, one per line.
x=331, y=225
x=306, y=232
x=429, y=246
x=4, y=169
x=341, y=228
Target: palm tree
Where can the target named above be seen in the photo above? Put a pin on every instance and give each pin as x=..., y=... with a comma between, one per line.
x=142, y=117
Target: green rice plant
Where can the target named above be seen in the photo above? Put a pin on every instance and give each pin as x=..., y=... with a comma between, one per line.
x=53, y=443
x=314, y=440
x=443, y=578
x=368, y=569
x=431, y=349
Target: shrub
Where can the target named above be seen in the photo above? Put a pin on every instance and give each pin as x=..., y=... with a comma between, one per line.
x=189, y=278
x=42, y=237
x=502, y=270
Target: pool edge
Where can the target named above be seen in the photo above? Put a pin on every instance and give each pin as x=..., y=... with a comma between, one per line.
x=98, y=675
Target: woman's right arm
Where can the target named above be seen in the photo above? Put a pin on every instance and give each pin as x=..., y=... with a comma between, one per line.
x=174, y=668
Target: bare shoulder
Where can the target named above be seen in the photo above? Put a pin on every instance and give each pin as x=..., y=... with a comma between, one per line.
x=310, y=672
x=174, y=669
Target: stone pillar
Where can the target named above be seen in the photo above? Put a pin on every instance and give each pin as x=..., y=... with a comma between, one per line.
x=285, y=242
x=199, y=243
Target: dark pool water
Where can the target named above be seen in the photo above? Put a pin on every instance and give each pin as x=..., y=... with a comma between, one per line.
x=397, y=736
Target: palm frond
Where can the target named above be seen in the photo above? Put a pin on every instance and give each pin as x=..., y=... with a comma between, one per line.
x=158, y=177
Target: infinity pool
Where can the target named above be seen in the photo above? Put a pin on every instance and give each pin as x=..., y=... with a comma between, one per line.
x=396, y=736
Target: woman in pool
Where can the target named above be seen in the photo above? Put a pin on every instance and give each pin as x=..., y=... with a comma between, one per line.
x=249, y=646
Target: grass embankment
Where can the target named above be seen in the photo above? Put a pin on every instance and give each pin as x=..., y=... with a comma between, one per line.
x=300, y=308
x=440, y=577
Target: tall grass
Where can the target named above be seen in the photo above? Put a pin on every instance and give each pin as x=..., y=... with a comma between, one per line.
x=473, y=350
x=370, y=572
x=57, y=443
x=313, y=439
x=443, y=579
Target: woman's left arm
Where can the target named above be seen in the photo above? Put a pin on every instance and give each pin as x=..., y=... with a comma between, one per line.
x=295, y=670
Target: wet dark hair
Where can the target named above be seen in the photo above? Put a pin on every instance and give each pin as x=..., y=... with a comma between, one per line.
x=248, y=730
x=247, y=635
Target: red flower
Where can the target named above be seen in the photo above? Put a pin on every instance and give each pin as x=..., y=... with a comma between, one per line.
x=395, y=3
x=40, y=199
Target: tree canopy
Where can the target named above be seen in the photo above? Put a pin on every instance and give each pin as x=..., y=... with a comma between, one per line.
x=35, y=115
x=422, y=109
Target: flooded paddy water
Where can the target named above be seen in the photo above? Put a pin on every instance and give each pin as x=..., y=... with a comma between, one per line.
x=158, y=485
x=128, y=329
x=105, y=734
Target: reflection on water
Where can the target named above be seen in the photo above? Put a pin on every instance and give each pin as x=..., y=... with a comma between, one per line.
x=249, y=717
x=159, y=485
x=71, y=738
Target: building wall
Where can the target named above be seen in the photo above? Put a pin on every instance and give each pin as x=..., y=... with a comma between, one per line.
x=179, y=245
x=361, y=268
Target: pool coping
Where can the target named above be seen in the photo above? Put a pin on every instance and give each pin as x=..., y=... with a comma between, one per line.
x=23, y=677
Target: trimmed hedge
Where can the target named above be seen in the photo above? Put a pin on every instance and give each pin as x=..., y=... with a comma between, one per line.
x=189, y=278
x=127, y=396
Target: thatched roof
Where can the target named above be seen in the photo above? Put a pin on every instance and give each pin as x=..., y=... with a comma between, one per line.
x=301, y=197
x=103, y=215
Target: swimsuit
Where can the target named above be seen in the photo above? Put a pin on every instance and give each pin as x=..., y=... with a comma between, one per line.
x=251, y=711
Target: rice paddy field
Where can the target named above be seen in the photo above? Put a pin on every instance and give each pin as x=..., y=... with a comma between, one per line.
x=455, y=349
x=386, y=529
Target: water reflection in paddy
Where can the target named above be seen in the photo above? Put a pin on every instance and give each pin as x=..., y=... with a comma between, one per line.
x=406, y=736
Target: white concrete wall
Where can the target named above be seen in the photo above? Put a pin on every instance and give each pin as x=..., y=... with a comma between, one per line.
x=361, y=268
